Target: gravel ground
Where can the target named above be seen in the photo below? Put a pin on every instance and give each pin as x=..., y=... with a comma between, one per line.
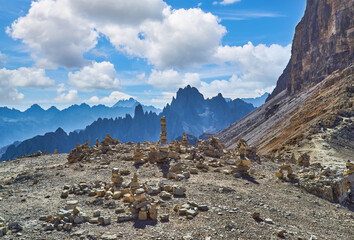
x=31, y=187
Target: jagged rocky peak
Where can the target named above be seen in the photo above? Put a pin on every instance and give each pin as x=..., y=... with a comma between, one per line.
x=188, y=94
x=139, y=112
x=131, y=102
x=323, y=43
x=35, y=108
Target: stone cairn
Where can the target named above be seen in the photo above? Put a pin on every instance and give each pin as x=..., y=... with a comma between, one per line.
x=138, y=155
x=159, y=155
x=185, y=142
x=86, y=153
x=244, y=155
x=141, y=201
x=163, y=134
x=287, y=168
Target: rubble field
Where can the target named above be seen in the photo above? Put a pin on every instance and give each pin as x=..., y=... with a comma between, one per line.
x=113, y=190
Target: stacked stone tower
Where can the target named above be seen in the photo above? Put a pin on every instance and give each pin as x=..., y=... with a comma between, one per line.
x=163, y=137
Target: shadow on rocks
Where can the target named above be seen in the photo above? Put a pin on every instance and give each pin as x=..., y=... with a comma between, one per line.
x=250, y=179
x=164, y=168
x=142, y=224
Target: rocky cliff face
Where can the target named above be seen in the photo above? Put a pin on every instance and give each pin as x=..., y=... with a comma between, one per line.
x=311, y=109
x=323, y=43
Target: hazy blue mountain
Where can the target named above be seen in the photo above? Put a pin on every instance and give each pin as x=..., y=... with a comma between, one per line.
x=132, y=103
x=189, y=112
x=18, y=126
x=258, y=101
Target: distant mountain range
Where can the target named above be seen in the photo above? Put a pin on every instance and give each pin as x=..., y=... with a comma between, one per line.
x=18, y=126
x=189, y=112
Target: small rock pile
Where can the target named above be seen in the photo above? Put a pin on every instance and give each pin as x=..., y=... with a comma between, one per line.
x=70, y=216
x=244, y=154
x=323, y=183
x=287, y=168
x=349, y=180
x=141, y=201
x=86, y=153
x=190, y=209
x=243, y=151
x=8, y=228
x=178, y=172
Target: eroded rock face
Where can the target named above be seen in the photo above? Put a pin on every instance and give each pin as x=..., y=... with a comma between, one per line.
x=349, y=180
x=323, y=43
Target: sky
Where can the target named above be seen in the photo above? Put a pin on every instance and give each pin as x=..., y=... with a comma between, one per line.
x=64, y=52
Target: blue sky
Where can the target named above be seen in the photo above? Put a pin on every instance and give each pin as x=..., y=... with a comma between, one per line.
x=61, y=52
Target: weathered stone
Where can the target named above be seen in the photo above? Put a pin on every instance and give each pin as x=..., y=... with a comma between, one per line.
x=257, y=216
x=203, y=207
x=281, y=233
x=331, y=188
x=179, y=191
x=165, y=217
x=303, y=160
x=171, y=175
x=142, y=215
x=78, y=219
x=68, y=227
x=191, y=212
x=94, y=220
x=140, y=197
x=165, y=194
x=153, y=212
x=49, y=227
x=117, y=195
x=182, y=211
x=193, y=171
x=100, y=193
x=106, y=220
x=153, y=190
x=128, y=198
x=96, y=213
x=268, y=220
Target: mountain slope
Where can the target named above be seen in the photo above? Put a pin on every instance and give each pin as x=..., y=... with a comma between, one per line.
x=311, y=109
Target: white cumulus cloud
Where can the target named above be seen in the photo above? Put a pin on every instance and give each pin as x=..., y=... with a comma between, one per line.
x=67, y=97
x=96, y=76
x=55, y=34
x=171, y=79
x=59, y=32
x=23, y=77
x=114, y=97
